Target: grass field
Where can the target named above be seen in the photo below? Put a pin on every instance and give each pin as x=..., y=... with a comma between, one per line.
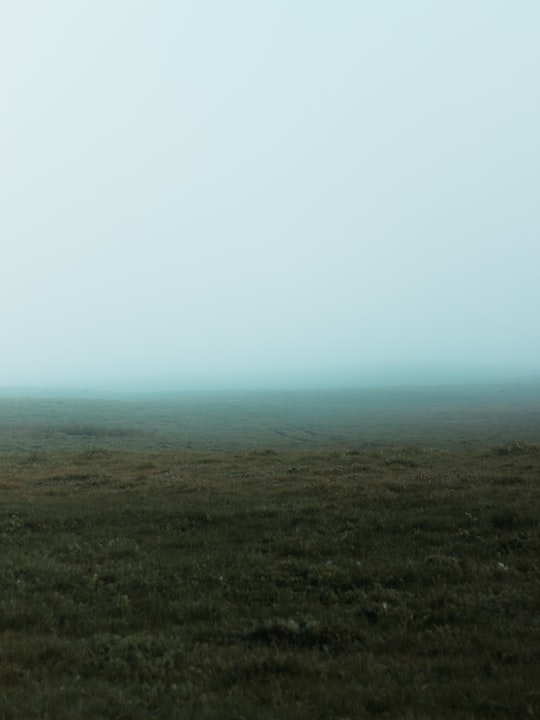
x=271, y=557
x=448, y=416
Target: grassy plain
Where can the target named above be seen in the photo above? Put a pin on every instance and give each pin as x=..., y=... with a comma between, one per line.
x=182, y=559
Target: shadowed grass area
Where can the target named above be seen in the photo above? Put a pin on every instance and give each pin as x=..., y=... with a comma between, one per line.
x=399, y=582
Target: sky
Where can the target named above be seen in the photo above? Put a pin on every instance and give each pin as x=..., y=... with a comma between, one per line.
x=196, y=192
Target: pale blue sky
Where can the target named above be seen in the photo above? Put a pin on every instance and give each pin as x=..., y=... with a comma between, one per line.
x=247, y=188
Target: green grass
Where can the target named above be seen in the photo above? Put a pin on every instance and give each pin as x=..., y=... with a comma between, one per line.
x=397, y=582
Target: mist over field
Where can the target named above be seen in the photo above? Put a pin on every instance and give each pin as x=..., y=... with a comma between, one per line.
x=251, y=195
x=269, y=359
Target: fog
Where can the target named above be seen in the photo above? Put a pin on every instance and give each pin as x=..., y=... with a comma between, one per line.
x=199, y=194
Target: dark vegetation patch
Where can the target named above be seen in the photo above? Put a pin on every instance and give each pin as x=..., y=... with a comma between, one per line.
x=396, y=582
x=305, y=555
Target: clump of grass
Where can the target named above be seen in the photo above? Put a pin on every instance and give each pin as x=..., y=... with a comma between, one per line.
x=508, y=519
x=516, y=448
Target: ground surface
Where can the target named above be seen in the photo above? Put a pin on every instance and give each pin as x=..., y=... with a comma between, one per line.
x=370, y=579
x=449, y=416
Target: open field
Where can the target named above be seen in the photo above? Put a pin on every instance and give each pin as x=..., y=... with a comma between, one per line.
x=263, y=566
x=447, y=416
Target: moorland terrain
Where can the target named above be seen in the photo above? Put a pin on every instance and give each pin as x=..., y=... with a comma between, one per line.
x=340, y=554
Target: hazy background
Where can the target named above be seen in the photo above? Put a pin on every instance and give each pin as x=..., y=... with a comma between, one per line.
x=247, y=193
